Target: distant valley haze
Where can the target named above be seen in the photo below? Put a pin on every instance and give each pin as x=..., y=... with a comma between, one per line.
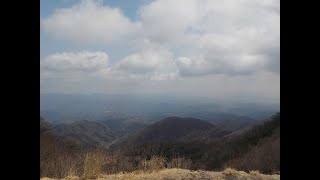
x=71, y=107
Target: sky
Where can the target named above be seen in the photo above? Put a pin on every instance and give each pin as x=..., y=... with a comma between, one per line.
x=209, y=48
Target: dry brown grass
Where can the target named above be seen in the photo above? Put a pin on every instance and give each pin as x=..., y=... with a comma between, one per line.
x=185, y=174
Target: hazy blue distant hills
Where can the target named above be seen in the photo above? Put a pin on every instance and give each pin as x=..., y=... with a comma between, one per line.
x=58, y=108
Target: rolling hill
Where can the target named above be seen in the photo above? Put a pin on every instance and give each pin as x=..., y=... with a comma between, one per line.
x=207, y=146
x=86, y=133
x=170, y=130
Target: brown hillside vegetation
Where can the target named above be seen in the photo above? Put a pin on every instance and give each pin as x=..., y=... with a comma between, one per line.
x=57, y=156
x=255, y=149
x=85, y=133
x=179, y=174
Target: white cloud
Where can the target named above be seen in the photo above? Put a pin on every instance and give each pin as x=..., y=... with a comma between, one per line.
x=154, y=63
x=75, y=61
x=148, y=64
x=165, y=20
x=228, y=37
x=89, y=22
x=222, y=54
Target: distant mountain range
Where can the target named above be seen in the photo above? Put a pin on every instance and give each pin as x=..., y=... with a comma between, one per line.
x=60, y=108
x=104, y=133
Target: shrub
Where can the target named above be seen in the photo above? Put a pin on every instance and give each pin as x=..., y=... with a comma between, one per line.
x=93, y=164
x=155, y=163
x=179, y=162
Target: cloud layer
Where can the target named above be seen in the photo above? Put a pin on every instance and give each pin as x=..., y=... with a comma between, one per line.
x=179, y=40
x=231, y=37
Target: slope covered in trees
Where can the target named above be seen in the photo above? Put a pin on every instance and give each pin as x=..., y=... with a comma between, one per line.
x=216, y=152
x=87, y=134
x=171, y=143
x=171, y=129
x=57, y=156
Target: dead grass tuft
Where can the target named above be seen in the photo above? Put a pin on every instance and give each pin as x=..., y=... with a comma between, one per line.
x=230, y=172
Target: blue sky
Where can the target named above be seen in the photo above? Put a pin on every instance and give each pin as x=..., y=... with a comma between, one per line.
x=211, y=48
x=129, y=7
